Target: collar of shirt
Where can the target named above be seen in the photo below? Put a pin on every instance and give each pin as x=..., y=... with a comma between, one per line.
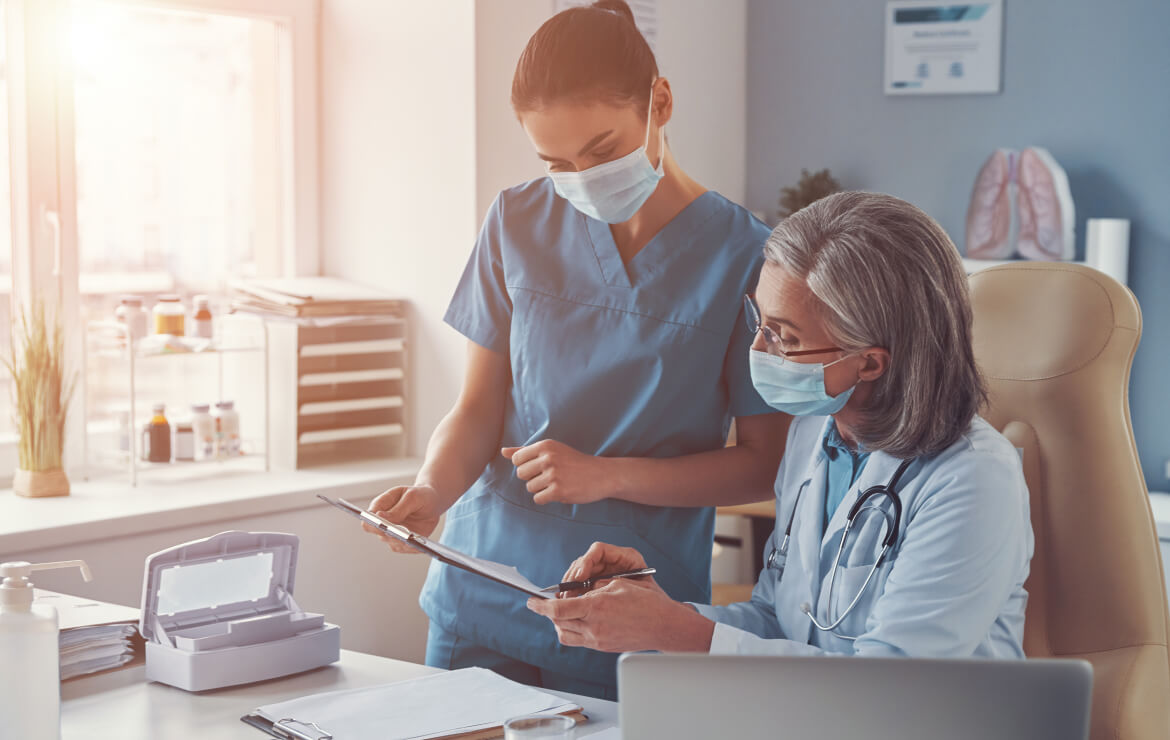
x=845, y=465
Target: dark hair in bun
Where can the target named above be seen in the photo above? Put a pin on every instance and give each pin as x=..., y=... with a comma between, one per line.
x=585, y=55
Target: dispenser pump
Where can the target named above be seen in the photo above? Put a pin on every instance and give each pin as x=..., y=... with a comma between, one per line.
x=16, y=591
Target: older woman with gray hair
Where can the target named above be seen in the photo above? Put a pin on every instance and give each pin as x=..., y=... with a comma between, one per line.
x=902, y=523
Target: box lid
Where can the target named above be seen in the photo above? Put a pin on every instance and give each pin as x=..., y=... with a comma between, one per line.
x=220, y=578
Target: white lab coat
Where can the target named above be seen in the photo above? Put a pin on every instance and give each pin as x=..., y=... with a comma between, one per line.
x=952, y=587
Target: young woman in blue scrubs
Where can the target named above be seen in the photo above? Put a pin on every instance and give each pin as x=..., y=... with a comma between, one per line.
x=607, y=355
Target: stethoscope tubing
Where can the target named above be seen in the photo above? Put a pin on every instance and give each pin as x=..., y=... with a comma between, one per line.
x=888, y=542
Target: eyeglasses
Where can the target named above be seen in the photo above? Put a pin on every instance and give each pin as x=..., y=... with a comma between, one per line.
x=751, y=313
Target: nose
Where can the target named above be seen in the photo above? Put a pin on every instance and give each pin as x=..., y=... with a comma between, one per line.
x=758, y=342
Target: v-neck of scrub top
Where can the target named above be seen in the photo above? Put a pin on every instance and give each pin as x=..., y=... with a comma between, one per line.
x=648, y=260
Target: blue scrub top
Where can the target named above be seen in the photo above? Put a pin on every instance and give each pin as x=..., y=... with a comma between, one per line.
x=648, y=359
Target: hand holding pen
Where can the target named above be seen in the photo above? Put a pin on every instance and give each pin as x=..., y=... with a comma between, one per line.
x=589, y=583
x=602, y=562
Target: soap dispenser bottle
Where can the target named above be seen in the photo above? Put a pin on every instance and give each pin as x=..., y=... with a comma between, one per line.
x=30, y=685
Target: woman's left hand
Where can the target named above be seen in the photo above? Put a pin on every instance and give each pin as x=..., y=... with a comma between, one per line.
x=627, y=614
x=557, y=472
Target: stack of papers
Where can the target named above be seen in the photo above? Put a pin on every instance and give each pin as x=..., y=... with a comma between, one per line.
x=95, y=636
x=450, y=704
x=313, y=296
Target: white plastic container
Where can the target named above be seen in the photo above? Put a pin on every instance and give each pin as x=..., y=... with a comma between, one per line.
x=30, y=659
x=132, y=313
x=220, y=612
x=227, y=429
x=204, y=427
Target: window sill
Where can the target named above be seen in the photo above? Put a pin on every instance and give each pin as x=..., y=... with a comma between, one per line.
x=100, y=510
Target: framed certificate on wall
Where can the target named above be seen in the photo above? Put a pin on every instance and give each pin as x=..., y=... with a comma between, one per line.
x=934, y=48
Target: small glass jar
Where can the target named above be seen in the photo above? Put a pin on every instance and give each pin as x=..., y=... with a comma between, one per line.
x=169, y=316
x=201, y=319
x=133, y=314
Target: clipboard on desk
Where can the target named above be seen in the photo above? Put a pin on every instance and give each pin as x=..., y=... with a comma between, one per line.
x=498, y=572
x=464, y=704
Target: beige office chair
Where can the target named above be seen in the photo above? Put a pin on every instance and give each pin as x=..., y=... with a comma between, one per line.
x=1056, y=342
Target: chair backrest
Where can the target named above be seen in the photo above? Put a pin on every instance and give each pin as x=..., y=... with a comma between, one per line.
x=1056, y=342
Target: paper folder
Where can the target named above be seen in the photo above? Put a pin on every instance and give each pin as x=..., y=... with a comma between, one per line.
x=465, y=704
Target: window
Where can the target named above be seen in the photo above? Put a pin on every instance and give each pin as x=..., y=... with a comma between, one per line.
x=7, y=429
x=184, y=158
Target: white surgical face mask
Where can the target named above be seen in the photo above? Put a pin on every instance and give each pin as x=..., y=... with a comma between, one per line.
x=614, y=191
x=795, y=388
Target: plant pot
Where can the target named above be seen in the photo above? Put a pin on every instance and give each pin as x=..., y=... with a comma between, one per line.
x=40, y=483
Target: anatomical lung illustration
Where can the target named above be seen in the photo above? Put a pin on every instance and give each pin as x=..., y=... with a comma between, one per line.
x=1021, y=204
x=1047, y=220
x=991, y=223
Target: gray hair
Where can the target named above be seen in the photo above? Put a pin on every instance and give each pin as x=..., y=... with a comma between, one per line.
x=887, y=275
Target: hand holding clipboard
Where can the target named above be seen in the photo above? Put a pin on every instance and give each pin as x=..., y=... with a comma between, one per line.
x=505, y=574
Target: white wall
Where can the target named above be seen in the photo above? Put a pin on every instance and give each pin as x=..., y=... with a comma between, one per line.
x=503, y=156
x=397, y=170
x=702, y=50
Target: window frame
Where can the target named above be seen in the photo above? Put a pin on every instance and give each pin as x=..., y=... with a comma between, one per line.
x=45, y=249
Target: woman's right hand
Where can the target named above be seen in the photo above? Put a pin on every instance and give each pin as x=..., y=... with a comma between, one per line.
x=417, y=508
x=602, y=558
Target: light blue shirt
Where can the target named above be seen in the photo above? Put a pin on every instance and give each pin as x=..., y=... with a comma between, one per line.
x=953, y=586
x=844, y=465
x=645, y=359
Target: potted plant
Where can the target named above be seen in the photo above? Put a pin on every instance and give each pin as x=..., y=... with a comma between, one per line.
x=811, y=187
x=41, y=394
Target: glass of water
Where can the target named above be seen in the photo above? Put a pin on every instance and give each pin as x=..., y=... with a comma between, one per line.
x=540, y=727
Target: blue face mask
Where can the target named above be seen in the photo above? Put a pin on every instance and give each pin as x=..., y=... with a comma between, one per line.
x=794, y=388
x=614, y=191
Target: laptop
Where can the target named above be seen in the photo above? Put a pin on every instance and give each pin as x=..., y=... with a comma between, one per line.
x=698, y=697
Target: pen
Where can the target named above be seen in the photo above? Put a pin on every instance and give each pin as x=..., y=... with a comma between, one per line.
x=587, y=584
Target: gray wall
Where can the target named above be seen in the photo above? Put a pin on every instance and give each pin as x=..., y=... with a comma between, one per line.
x=1090, y=81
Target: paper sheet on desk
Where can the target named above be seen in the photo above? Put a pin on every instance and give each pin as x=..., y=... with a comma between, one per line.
x=433, y=706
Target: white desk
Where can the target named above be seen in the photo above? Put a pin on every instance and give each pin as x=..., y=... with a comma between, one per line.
x=122, y=706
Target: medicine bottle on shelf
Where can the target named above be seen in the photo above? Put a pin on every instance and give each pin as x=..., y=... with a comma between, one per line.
x=156, y=440
x=227, y=429
x=201, y=320
x=132, y=313
x=169, y=317
x=204, y=427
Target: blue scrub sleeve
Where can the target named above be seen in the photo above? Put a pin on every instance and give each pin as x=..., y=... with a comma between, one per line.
x=481, y=308
x=741, y=394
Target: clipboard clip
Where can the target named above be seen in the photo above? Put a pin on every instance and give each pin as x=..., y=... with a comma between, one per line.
x=287, y=728
x=295, y=729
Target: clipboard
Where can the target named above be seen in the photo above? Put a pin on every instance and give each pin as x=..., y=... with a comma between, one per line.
x=493, y=571
x=464, y=704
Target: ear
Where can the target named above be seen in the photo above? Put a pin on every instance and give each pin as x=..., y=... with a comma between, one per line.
x=874, y=363
x=663, y=106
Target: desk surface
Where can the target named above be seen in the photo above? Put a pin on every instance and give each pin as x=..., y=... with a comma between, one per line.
x=123, y=706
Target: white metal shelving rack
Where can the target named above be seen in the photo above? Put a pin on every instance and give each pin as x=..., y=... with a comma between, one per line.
x=116, y=334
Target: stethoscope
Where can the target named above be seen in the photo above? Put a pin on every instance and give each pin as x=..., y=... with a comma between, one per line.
x=779, y=557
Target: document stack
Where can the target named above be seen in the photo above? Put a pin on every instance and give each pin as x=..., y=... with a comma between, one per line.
x=95, y=636
x=312, y=297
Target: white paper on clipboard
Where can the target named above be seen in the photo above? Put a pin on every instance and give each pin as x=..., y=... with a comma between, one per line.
x=505, y=574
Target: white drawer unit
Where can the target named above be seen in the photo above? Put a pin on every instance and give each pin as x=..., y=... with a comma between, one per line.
x=337, y=392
